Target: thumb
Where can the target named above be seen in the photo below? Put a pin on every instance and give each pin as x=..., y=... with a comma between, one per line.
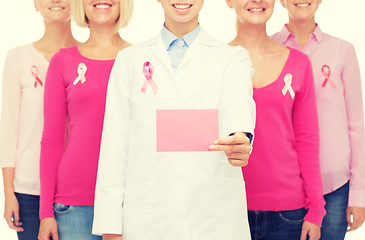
x=303, y=235
x=348, y=217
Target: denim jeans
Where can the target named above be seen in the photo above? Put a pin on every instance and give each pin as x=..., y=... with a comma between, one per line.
x=334, y=223
x=29, y=216
x=75, y=222
x=276, y=225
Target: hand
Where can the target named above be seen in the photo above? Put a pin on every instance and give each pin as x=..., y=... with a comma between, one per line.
x=48, y=228
x=237, y=148
x=358, y=217
x=310, y=229
x=11, y=212
x=112, y=237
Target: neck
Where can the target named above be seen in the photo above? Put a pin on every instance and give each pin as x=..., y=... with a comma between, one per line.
x=252, y=37
x=181, y=29
x=301, y=29
x=103, y=37
x=56, y=36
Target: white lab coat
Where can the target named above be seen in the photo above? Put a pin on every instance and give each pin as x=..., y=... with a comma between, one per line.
x=148, y=195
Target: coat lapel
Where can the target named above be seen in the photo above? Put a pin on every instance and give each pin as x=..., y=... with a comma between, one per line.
x=203, y=41
x=160, y=52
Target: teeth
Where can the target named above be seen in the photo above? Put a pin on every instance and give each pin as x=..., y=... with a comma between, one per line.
x=182, y=6
x=302, y=4
x=102, y=5
x=56, y=8
x=256, y=9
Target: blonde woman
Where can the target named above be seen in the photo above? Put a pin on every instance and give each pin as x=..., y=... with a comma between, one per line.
x=75, y=92
x=22, y=116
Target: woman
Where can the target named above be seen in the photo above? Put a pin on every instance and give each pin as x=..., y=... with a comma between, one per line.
x=22, y=116
x=337, y=85
x=284, y=194
x=75, y=93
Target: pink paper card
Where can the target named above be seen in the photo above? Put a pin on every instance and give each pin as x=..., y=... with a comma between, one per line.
x=186, y=129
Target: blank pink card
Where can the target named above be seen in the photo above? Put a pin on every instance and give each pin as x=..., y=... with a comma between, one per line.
x=186, y=129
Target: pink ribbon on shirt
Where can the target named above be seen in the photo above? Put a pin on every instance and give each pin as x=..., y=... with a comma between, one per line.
x=326, y=71
x=35, y=74
x=148, y=72
x=288, y=79
x=81, y=70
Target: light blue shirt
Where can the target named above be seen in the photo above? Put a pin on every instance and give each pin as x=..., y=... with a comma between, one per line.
x=177, y=47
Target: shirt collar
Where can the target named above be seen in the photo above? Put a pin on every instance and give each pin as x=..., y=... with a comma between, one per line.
x=168, y=37
x=285, y=34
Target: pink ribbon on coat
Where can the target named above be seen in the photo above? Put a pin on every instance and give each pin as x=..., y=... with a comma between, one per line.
x=35, y=74
x=326, y=71
x=148, y=72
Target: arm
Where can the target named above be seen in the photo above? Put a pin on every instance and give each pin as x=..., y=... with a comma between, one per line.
x=11, y=210
x=110, y=184
x=9, y=128
x=305, y=124
x=237, y=111
x=355, y=116
x=52, y=144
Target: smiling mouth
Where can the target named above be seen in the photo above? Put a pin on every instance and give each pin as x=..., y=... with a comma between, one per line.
x=256, y=9
x=302, y=4
x=182, y=6
x=102, y=5
x=56, y=8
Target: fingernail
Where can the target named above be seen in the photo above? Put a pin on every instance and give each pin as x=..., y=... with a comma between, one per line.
x=211, y=147
x=216, y=142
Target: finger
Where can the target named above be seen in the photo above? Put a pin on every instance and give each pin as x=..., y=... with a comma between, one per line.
x=235, y=139
x=355, y=225
x=55, y=235
x=237, y=163
x=349, y=221
x=231, y=148
x=16, y=218
x=303, y=235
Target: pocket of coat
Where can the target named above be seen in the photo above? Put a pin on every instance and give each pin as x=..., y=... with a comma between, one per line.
x=61, y=208
x=293, y=216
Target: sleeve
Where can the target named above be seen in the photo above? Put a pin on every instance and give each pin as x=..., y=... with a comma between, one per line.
x=355, y=116
x=110, y=184
x=10, y=113
x=305, y=123
x=237, y=109
x=53, y=138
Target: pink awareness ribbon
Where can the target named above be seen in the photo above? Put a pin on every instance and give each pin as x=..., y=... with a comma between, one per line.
x=81, y=70
x=35, y=74
x=148, y=72
x=326, y=71
x=288, y=79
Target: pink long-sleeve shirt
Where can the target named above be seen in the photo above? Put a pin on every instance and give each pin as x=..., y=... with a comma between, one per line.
x=22, y=116
x=75, y=97
x=283, y=172
x=340, y=111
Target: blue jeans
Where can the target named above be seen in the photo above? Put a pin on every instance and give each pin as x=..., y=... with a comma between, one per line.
x=29, y=216
x=75, y=222
x=276, y=225
x=334, y=224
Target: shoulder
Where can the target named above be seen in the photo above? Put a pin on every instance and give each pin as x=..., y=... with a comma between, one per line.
x=21, y=51
x=339, y=43
x=64, y=55
x=298, y=57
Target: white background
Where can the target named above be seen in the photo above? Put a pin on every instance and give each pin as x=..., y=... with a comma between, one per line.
x=21, y=24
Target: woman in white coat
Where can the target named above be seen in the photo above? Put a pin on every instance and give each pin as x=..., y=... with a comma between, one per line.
x=142, y=193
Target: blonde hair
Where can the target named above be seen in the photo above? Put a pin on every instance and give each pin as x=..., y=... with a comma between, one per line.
x=79, y=16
